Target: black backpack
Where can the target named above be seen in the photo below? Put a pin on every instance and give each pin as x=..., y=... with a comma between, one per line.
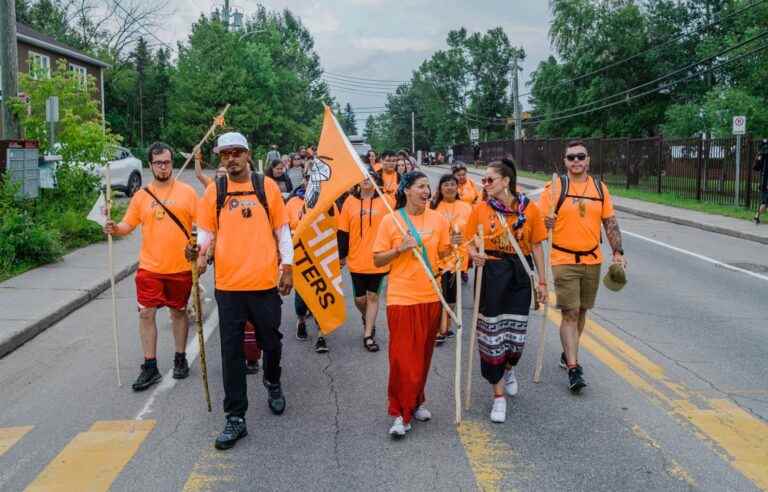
x=257, y=181
x=565, y=183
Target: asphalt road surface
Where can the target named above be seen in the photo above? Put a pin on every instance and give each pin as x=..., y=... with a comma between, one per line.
x=677, y=398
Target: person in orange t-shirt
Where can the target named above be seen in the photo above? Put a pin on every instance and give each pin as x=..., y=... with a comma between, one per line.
x=576, y=257
x=413, y=307
x=446, y=202
x=467, y=189
x=505, y=296
x=389, y=177
x=373, y=161
x=359, y=221
x=164, y=277
x=250, y=240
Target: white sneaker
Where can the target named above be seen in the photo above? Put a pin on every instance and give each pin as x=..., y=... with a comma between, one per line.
x=510, y=382
x=499, y=410
x=399, y=428
x=422, y=414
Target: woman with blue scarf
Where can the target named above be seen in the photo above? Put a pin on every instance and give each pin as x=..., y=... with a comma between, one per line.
x=505, y=297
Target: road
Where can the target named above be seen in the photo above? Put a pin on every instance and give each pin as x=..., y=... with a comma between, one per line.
x=677, y=398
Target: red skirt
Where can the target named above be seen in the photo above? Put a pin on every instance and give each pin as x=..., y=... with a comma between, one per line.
x=412, y=332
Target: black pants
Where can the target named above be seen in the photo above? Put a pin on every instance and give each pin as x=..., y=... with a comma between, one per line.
x=262, y=309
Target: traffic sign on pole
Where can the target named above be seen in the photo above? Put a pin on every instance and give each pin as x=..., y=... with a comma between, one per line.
x=739, y=125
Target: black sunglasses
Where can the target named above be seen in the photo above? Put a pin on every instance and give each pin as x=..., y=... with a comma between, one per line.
x=576, y=157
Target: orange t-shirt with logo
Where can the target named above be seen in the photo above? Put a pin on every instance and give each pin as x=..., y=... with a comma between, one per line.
x=468, y=192
x=533, y=231
x=163, y=243
x=295, y=210
x=457, y=214
x=408, y=283
x=361, y=218
x=572, y=231
x=246, y=250
x=390, y=182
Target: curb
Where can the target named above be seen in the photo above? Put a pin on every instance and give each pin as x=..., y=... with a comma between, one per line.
x=35, y=328
x=667, y=218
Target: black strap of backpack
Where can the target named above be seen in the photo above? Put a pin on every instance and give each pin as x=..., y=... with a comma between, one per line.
x=565, y=183
x=170, y=214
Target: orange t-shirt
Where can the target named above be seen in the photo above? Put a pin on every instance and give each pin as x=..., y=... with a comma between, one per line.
x=295, y=210
x=457, y=214
x=360, y=218
x=572, y=231
x=408, y=283
x=390, y=182
x=376, y=166
x=496, y=239
x=468, y=192
x=163, y=243
x=246, y=250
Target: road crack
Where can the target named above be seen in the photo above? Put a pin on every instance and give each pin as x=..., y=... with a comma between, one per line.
x=335, y=400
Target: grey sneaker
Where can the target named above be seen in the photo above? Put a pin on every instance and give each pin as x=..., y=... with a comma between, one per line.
x=234, y=430
x=275, y=399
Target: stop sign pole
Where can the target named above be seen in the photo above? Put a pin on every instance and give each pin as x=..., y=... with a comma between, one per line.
x=739, y=128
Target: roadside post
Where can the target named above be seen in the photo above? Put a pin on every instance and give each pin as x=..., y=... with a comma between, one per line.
x=739, y=129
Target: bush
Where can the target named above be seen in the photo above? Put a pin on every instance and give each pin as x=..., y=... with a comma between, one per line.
x=23, y=242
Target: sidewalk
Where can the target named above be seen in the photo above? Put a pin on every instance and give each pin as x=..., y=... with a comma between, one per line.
x=709, y=222
x=33, y=301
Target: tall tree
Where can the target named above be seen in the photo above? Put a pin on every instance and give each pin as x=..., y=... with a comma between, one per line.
x=349, y=124
x=141, y=57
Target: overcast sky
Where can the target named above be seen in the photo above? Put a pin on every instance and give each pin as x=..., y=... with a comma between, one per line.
x=386, y=39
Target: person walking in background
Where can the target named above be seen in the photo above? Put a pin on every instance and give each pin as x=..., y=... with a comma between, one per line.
x=467, y=190
x=761, y=166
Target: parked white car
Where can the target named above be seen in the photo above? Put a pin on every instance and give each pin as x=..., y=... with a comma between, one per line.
x=125, y=171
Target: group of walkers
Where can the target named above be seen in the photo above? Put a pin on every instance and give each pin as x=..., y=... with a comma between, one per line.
x=419, y=242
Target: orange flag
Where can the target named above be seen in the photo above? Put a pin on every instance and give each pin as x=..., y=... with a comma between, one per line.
x=317, y=273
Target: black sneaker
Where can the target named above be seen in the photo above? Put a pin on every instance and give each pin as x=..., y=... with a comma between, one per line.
x=440, y=339
x=563, y=363
x=320, y=346
x=301, y=331
x=576, y=379
x=251, y=367
x=180, y=368
x=756, y=219
x=276, y=399
x=449, y=334
x=149, y=375
x=233, y=431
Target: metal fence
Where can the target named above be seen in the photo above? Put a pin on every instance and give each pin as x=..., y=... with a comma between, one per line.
x=688, y=168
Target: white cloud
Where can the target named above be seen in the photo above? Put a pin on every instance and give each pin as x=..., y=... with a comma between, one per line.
x=394, y=45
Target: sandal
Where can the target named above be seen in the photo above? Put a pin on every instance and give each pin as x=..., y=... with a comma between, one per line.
x=370, y=344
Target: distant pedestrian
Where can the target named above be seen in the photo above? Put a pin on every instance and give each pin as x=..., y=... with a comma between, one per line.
x=761, y=165
x=467, y=190
x=245, y=214
x=277, y=171
x=273, y=153
x=390, y=178
x=166, y=210
x=583, y=207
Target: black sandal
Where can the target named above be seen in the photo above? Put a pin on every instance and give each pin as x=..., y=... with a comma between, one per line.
x=370, y=344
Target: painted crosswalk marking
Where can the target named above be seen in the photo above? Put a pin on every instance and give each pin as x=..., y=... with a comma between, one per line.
x=94, y=459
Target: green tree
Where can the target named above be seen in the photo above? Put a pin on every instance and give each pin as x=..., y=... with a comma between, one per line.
x=348, y=122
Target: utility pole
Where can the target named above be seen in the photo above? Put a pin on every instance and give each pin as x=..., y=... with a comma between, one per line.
x=9, y=61
x=226, y=15
x=516, y=98
x=413, y=133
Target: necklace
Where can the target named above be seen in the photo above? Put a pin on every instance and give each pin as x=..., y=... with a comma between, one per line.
x=159, y=212
x=582, y=204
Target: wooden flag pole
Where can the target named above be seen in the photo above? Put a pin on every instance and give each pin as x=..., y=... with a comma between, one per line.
x=459, y=335
x=112, y=277
x=475, y=315
x=199, y=319
x=418, y=256
x=545, y=314
x=217, y=122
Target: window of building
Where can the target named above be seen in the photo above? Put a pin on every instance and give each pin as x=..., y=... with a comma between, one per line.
x=39, y=65
x=82, y=73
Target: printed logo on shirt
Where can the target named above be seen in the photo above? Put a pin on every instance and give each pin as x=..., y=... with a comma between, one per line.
x=235, y=203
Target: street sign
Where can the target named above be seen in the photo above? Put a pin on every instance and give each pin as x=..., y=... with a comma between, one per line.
x=52, y=109
x=474, y=134
x=739, y=125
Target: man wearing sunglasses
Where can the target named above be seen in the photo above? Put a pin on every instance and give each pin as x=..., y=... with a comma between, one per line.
x=582, y=207
x=165, y=209
x=246, y=218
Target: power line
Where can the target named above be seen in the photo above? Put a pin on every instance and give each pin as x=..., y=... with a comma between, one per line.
x=365, y=79
x=367, y=83
x=144, y=27
x=670, y=40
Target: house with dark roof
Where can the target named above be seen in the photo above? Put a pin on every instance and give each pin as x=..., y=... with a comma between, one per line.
x=43, y=51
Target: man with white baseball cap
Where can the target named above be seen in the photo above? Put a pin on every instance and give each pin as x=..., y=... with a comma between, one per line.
x=244, y=205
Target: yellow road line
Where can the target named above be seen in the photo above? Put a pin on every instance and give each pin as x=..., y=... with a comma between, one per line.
x=10, y=436
x=94, y=459
x=212, y=469
x=488, y=457
x=742, y=439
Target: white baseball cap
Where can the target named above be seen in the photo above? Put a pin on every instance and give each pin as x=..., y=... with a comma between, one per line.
x=231, y=140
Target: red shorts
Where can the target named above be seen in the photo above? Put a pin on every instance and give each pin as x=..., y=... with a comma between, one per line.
x=154, y=290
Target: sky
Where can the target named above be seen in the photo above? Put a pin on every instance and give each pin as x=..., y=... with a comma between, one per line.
x=385, y=39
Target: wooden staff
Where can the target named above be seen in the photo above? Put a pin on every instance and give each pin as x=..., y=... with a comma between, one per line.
x=199, y=318
x=115, y=335
x=475, y=315
x=459, y=334
x=418, y=256
x=217, y=122
x=547, y=251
